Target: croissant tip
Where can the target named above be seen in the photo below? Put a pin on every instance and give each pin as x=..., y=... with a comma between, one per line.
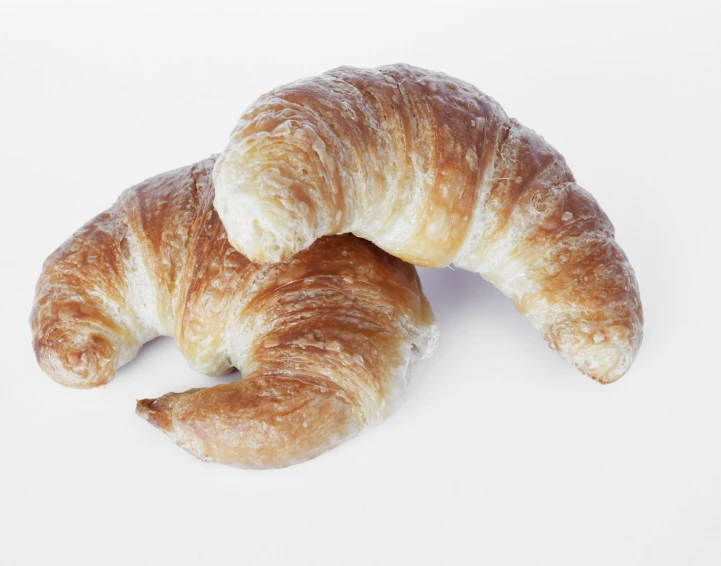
x=611, y=376
x=605, y=380
x=151, y=411
x=79, y=367
x=143, y=407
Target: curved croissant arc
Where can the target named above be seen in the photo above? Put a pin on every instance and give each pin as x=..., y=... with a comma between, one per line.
x=324, y=340
x=433, y=171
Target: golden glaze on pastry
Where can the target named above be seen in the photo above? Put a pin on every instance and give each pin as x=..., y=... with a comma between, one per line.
x=433, y=171
x=324, y=340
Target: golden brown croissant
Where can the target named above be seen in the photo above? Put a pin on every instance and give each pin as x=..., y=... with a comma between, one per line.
x=433, y=171
x=324, y=340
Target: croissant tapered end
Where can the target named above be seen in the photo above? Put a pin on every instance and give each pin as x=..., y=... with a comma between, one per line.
x=160, y=413
x=79, y=362
x=608, y=356
x=155, y=411
x=259, y=422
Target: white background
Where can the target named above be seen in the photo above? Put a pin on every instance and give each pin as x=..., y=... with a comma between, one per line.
x=501, y=452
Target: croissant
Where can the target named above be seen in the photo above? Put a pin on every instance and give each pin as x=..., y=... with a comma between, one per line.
x=324, y=340
x=432, y=171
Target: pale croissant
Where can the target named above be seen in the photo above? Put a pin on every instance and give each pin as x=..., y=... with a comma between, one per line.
x=433, y=171
x=324, y=340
